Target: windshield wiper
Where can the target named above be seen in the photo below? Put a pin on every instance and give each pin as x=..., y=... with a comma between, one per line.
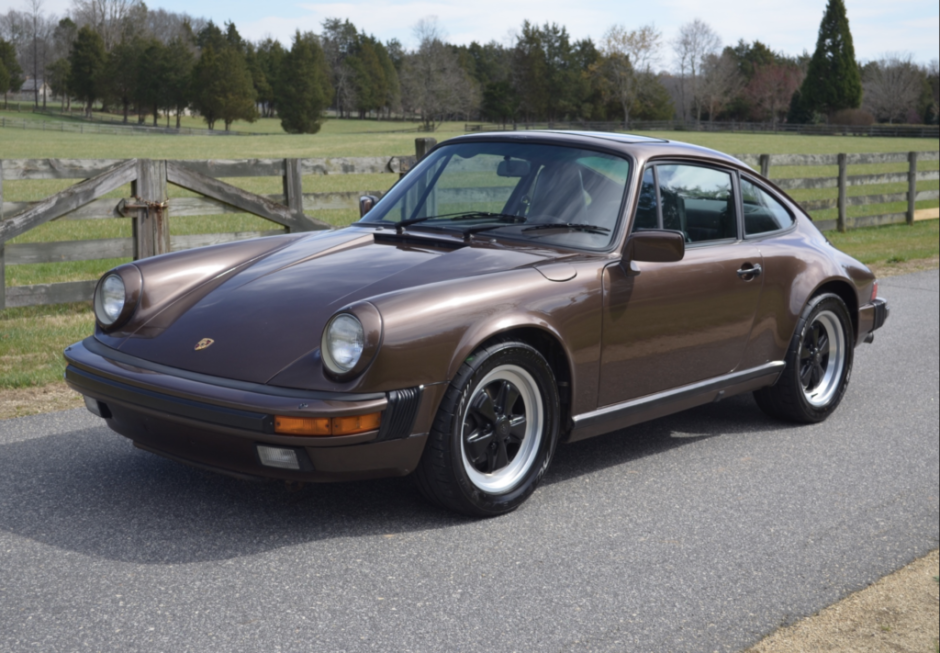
x=570, y=226
x=463, y=215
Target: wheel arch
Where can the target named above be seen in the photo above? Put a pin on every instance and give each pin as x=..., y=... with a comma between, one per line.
x=845, y=291
x=546, y=342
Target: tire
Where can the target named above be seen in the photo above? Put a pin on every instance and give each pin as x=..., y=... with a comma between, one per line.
x=494, y=434
x=819, y=365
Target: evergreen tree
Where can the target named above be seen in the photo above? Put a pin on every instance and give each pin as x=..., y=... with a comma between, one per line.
x=12, y=67
x=304, y=90
x=178, y=61
x=833, y=80
x=120, y=74
x=87, y=59
x=58, y=75
x=268, y=57
x=4, y=79
x=152, y=79
x=223, y=89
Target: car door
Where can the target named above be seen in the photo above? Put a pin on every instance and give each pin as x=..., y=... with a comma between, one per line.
x=667, y=325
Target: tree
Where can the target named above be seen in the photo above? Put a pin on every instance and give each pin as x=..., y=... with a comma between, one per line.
x=4, y=79
x=179, y=60
x=339, y=43
x=269, y=56
x=12, y=67
x=833, y=81
x=628, y=58
x=432, y=79
x=113, y=20
x=152, y=79
x=87, y=59
x=771, y=89
x=304, y=90
x=695, y=42
x=223, y=87
x=893, y=87
x=59, y=71
x=120, y=74
x=721, y=82
x=530, y=73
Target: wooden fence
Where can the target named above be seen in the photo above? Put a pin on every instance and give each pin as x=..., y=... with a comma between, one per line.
x=150, y=208
x=842, y=181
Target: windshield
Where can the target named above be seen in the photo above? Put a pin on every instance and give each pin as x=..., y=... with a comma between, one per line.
x=555, y=195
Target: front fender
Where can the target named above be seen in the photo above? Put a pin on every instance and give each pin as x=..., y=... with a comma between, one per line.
x=430, y=331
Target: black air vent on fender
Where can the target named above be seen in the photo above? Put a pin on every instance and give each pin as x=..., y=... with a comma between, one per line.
x=400, y=414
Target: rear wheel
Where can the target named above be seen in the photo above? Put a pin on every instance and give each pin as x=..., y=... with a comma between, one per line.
x=494, y=434
x=819, y=364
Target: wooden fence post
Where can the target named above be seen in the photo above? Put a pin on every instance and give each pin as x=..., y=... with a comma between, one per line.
x=911, y=186
x=293, y=191
x=840, y=222
x=765, y=166
x=423, y=146
x=152, y=224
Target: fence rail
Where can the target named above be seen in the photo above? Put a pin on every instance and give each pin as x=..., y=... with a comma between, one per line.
x=150, y=208
x=115, y=129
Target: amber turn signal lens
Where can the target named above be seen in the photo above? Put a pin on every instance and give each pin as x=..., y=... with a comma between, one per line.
x=326, y=425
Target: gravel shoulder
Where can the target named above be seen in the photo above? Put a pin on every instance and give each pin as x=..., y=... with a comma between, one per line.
x=898, y=614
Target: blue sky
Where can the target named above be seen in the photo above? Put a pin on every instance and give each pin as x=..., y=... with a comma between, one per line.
x=878, y=26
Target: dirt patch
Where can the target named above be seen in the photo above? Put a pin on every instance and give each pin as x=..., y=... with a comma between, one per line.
x=885, y=269
x=20, y=402
x=898, y=614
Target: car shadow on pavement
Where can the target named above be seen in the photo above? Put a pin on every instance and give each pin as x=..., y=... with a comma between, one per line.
x=91, y=492
x=738, y=414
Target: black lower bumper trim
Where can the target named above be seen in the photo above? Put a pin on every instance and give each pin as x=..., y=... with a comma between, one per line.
x=105, y=389
x=881, y=313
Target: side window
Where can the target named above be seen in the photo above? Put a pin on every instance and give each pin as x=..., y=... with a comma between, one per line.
x=762, y=213
x=697, y=201
x=647, y=213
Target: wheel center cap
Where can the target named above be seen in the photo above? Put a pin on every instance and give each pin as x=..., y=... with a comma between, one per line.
x=502, y=427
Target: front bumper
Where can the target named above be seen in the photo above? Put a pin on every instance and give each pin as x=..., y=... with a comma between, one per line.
x=220, y=423
x=872, y=317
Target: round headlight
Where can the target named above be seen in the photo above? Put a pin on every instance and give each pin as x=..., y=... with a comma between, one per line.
x=343, y=342
x=109, y=301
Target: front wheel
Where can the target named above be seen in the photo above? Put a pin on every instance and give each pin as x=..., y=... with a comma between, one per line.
x=819, y=364
x=494, y=434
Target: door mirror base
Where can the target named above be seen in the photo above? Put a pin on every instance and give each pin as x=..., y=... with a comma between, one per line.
x=654, y=246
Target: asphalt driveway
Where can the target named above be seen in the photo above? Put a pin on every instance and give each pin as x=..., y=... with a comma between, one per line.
x=699, y=532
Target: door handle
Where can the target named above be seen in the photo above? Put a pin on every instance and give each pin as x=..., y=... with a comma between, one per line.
x=750, y=272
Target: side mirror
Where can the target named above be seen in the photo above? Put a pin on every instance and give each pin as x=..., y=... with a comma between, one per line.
x=655, y=246
x=366, y=202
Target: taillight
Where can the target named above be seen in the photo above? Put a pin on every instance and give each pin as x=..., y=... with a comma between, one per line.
x=874, y=291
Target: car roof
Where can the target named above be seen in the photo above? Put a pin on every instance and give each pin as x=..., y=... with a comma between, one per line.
x=642, y=147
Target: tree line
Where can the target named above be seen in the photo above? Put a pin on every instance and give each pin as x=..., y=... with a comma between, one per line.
x=129, y=58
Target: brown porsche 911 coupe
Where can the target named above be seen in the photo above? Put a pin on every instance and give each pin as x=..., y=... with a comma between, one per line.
x=512, y=292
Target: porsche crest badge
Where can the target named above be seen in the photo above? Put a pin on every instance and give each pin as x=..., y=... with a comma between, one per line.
x=204, y=343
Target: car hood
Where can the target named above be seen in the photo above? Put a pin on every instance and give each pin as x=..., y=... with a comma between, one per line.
x=271, y=311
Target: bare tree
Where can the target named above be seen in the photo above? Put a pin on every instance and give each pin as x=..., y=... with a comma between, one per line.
x=433, y=83
x=112, y=19
x=771, y=89
x=721, y=81
x=892, y=85
x=696, y=41
x=628, y=60
x=37, y=53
